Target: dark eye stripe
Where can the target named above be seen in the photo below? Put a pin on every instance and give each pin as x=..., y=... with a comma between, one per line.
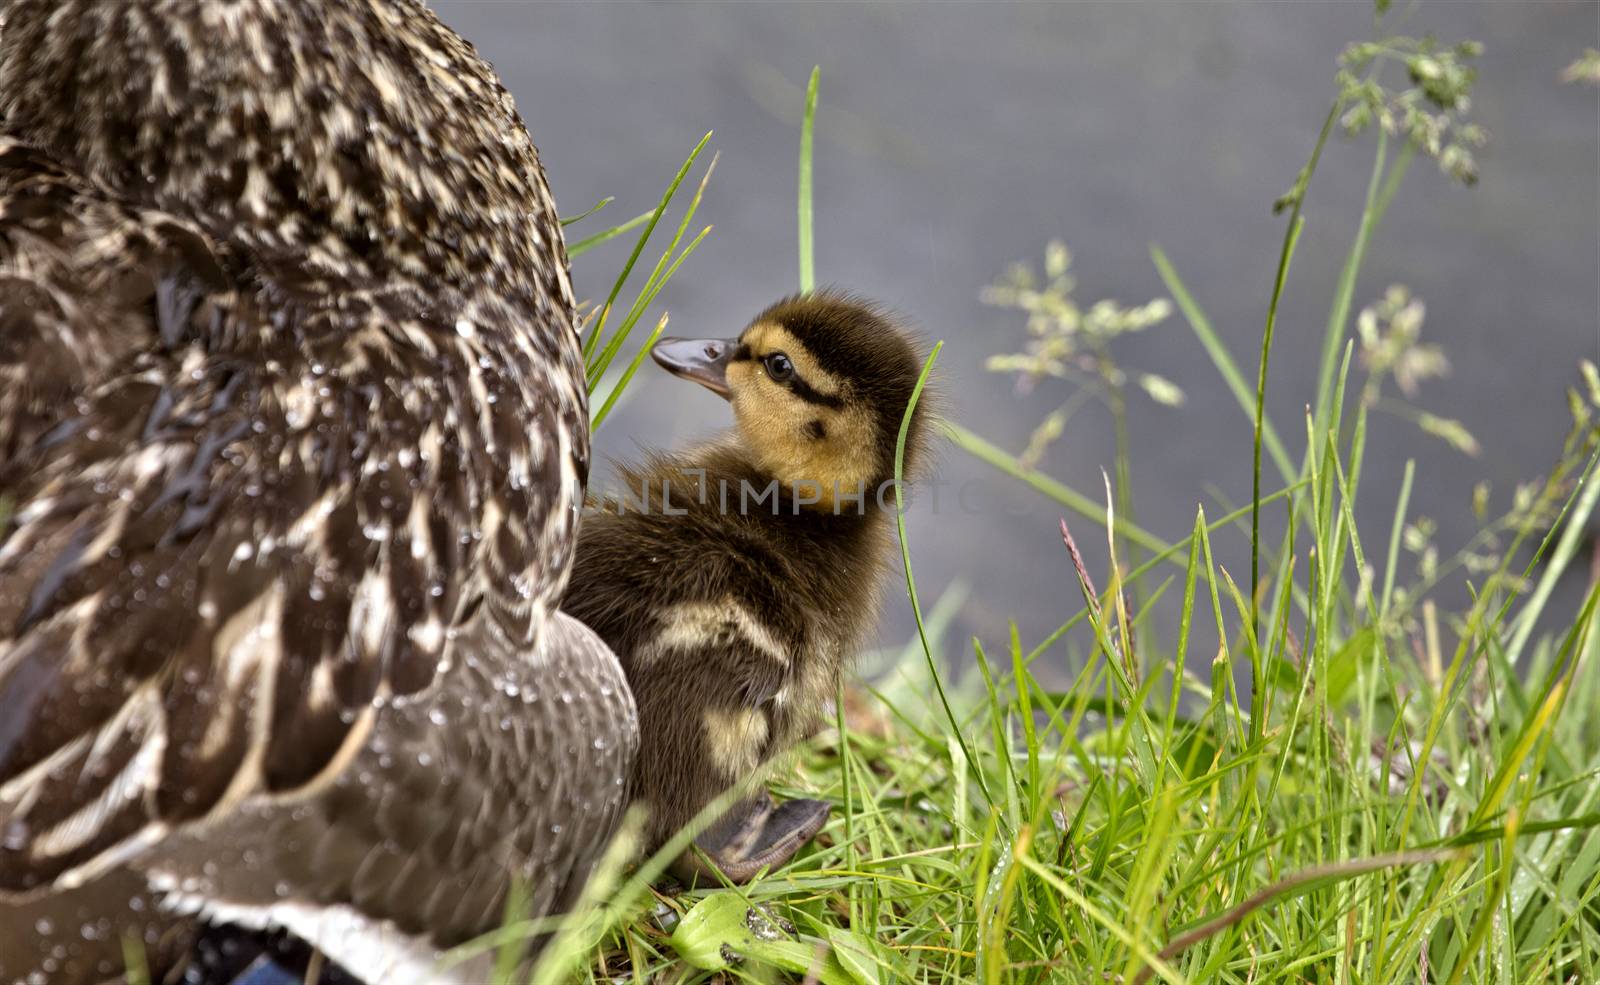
x=803, y=390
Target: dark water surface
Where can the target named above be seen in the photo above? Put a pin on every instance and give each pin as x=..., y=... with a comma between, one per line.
x=954, y=138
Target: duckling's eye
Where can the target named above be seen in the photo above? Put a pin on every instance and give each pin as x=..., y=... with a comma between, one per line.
x=779, y=367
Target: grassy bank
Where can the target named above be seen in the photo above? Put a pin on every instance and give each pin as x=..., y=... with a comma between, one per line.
x=1366, y=759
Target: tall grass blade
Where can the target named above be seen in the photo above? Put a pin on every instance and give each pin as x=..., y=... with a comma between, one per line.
x=582, y=246
x=596, y=207
x=905, y=560
x=808, y=277
x=638, y=247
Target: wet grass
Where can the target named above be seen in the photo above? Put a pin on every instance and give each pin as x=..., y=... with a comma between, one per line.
x=1392, y=807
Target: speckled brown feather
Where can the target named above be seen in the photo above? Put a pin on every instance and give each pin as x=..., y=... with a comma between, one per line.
x=523, y=769
x=291, y=412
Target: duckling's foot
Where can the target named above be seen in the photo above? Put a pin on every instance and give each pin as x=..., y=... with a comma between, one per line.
x=754, y=835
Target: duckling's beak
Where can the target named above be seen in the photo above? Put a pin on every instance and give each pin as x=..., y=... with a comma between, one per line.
x=703, y=360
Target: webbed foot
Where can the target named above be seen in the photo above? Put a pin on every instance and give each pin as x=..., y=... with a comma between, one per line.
x=754, y=835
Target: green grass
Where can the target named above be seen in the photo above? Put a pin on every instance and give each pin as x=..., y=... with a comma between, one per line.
x=1142, y=821
x=1126, y=832
x=600, y=349
x=1380, y=772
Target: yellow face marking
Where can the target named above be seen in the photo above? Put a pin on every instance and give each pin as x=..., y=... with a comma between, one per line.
x=779, y=427
x=734, y=739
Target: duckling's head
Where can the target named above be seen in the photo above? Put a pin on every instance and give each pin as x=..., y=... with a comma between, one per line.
x=819, y=384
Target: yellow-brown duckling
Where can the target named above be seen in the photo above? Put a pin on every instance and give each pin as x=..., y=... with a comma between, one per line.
x=736, y=578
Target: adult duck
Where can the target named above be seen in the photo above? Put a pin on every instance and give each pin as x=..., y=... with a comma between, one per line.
x=293, y=436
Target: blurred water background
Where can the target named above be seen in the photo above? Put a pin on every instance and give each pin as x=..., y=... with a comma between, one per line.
x=955, y=138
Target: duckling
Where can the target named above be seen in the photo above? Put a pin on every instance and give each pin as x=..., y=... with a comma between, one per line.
x=293, y=435
x=737, y=578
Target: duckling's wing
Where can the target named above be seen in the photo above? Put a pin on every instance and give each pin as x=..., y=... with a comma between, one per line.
x=255, y=521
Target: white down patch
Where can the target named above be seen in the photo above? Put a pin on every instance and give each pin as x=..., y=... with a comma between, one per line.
x=691, y=625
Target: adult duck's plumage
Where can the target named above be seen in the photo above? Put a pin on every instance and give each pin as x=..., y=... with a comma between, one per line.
x=736, y=579
x=293, y=433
